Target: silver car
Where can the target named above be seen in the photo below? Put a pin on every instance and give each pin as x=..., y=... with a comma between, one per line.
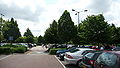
x=75, y=56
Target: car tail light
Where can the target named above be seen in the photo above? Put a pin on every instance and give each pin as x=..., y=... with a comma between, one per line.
x=69, y=56
x=92, y=62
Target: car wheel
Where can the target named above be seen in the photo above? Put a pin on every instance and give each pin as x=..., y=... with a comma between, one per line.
x=79, y=63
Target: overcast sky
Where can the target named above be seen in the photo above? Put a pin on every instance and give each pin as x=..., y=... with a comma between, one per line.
x=38, y=14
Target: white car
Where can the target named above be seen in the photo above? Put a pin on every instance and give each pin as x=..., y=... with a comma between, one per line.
x=75, y=56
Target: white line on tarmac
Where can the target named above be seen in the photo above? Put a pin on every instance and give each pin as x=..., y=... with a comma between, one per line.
x=5, y=57
x=60, y=62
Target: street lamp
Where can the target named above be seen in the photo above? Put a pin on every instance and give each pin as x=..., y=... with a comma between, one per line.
x=1, y=23
x=77, y=13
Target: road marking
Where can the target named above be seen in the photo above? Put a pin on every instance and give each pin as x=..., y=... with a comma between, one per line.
x=60, y=62
x=5, y=57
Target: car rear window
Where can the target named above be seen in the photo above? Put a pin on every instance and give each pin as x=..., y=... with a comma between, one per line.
x=108, y=59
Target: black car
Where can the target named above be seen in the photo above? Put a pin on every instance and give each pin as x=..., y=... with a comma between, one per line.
x=89, y=59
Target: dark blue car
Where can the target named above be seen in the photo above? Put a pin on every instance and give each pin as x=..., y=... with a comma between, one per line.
x=63, y=51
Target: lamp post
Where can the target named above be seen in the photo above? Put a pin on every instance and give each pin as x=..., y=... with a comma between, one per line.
x=1, y=24
x=77, y=13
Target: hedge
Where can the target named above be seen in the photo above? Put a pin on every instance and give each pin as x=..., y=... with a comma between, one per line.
x=9, y=49
x=54, y=50
x=6, y=50
x=20, y=50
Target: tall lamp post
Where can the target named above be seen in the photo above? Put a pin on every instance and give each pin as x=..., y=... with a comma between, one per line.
x=1, y=24
x=77, y=13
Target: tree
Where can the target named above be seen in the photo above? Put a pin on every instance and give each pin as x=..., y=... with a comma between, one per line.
x=10, y=28
x=29, y=36
x=28, y=33
x=29, y=39
x=1, y=31
x=51, y=33
x=95, y=30
x=66, y=28
x=40, y=40
x=115, y=35
x=21, y=40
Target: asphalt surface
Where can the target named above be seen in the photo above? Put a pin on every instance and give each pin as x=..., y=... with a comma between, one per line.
x=36, y=58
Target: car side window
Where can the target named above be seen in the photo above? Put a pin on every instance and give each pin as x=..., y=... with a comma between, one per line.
x=108, y=59
x=89, y=55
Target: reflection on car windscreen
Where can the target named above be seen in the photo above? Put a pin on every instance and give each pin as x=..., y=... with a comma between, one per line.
x=108, y=59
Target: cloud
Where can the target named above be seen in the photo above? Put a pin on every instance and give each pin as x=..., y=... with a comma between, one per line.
x=100, y=5
x=15, y=10
x=38, y=14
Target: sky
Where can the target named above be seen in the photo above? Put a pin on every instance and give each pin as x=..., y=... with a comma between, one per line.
x=37, y=15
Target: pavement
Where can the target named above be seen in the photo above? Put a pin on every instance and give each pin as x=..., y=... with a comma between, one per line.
x=36, y=58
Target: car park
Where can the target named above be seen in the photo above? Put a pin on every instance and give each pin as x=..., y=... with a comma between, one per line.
x=75, y=56
x=110, y=59
x=89, y=59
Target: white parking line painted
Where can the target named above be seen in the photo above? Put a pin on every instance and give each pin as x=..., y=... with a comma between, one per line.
x=5, y=57
x=60, y=62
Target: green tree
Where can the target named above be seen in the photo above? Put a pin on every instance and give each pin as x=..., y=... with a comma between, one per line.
x=51, y=33
x=29, y=39
x=10, y=28
x=28, y=33
x=40, y=40
x=21, y=40
x=115, y=35
x=66, y=28
x=29, y=36
x=95, y=30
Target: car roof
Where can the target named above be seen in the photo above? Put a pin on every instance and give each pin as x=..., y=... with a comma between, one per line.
x=114, y=52
x=85, y=49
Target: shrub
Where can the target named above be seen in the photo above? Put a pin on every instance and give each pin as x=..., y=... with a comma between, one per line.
x=6, y=50
x=54, y=50
x=20, y=50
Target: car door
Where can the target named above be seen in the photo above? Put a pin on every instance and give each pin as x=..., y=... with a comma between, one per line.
x=106, y=60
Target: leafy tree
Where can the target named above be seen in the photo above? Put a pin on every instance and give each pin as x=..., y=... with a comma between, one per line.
x=66, y=28
x=21, y=40
x=35, y=39
x=95, y=29
x=51, y=33
x=29, y=39
x=115, y=35
x=29, y=36
x=10, y=28
x=40, y=39
x=28, y=33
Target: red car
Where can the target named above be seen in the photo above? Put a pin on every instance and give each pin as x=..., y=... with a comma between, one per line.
x=109, y=59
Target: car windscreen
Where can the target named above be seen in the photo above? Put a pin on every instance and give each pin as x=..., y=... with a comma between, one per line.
x=108, y=59
x=74, y=50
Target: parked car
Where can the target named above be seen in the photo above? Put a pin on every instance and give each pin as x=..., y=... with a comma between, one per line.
x=109, y=59
x=61, y=55
x=63, y=51
x=89, y=59
x=116, y=49
x=75, y=56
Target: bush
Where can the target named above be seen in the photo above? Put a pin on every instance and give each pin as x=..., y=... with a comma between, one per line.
x=20, y=50
x=6, y=50
x=54, y=50
x=9, y=45
x=9, y=49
